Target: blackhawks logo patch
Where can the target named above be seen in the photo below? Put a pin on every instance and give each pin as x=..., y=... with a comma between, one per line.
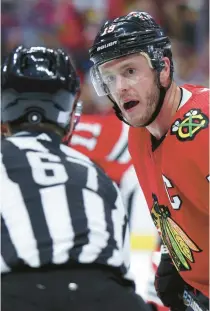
x=179, y=244
x=192, y=123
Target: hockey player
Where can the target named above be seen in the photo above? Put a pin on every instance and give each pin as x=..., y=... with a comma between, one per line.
x=168, y=143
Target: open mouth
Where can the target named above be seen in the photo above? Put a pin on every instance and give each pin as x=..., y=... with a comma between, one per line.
x=130, y=104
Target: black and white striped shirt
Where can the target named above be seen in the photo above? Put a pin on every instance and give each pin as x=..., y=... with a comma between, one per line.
x=57, y=205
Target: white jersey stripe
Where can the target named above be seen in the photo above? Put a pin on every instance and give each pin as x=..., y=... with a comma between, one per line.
x=118, y=218
x=98, y=235
x=14, y=213
x=120, y=145
x=4, y=267
x=54, y=202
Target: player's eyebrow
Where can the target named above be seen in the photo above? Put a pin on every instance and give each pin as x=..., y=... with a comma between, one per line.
x=126, y=64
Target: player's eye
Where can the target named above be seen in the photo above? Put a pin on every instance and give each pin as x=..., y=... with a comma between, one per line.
x=131, y=71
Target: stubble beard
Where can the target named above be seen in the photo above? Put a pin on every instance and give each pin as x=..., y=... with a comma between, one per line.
x=152, y=100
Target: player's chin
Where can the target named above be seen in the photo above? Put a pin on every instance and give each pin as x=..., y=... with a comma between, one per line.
x=136, y=117
x=136, y=121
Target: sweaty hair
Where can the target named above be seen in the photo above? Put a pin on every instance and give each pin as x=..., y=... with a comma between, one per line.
x=18, y=126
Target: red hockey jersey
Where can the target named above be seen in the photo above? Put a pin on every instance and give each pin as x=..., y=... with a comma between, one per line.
x=175, y=181
x=104, y=139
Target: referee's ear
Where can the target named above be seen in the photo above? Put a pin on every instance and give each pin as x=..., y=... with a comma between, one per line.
x=5, y=130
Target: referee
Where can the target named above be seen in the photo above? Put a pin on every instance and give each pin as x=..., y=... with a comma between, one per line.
x=64, y=231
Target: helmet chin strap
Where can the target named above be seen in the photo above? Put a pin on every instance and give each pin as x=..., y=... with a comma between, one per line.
x=162, y=95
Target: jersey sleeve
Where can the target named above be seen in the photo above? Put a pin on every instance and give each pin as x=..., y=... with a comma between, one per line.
x=104, y=139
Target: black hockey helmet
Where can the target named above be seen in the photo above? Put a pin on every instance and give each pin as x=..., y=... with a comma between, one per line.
x=38, y=84
x=136, y=32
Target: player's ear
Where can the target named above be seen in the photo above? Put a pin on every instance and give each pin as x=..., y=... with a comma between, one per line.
x=165, y=72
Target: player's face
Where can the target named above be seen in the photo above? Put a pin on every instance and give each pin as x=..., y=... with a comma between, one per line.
x=133, y=85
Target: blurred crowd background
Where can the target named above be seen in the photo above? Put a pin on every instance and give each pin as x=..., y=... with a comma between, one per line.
x=73, y=24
